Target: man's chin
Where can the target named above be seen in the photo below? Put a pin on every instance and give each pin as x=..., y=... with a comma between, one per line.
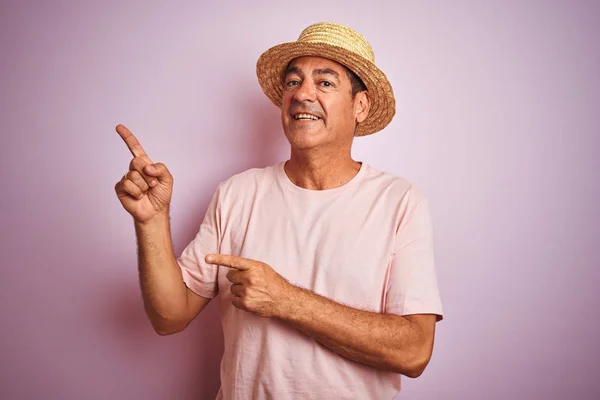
x=306, y=128
x=305, y=138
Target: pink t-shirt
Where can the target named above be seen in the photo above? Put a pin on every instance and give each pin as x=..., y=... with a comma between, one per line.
x=367, y=244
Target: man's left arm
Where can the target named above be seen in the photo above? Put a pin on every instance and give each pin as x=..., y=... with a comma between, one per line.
x=402, y=344
x=391, y=342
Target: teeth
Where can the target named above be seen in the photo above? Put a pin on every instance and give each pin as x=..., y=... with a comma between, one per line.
x=305, y=116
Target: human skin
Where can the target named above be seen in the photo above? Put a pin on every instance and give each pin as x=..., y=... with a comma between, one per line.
x=320, y=150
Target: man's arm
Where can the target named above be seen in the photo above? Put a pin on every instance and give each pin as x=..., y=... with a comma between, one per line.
x=145, y=193
x=402, y=344
x=169, y=303
x=396, y=343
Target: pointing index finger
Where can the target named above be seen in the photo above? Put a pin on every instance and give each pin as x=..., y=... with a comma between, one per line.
x=132, y=143
x=226, y=260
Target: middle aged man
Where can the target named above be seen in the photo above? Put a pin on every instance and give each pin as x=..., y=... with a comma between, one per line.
x=324, y=265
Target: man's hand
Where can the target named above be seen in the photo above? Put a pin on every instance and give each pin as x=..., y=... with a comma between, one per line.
x=256, y=287
x=145, y=190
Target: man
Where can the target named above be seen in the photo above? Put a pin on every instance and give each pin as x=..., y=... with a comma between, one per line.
x=324, y=265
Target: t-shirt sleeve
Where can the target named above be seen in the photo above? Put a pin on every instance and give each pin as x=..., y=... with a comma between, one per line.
x=198, y=275
x=412, y=284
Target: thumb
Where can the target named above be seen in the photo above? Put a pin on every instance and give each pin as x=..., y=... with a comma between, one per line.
x=159, y=171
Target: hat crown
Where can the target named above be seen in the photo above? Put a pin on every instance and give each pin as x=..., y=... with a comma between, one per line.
x=338, y=35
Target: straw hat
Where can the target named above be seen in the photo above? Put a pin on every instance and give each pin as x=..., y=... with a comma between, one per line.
x=344, y=46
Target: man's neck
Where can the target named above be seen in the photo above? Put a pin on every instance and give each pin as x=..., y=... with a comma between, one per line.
x=321, y=172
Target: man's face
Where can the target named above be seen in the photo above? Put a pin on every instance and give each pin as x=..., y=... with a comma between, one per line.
x=318, y=108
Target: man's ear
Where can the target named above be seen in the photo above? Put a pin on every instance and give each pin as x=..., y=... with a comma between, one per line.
x=362, y=105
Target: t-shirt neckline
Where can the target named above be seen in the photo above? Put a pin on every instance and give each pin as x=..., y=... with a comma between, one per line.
x=285, y=181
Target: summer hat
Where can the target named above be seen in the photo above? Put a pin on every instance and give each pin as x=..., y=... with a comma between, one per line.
x=344, y=46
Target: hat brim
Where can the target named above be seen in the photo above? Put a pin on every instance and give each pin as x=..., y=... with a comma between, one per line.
x=272, y=62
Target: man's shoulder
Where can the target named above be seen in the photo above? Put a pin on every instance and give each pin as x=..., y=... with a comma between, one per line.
x=248, y=179
x=394, y=185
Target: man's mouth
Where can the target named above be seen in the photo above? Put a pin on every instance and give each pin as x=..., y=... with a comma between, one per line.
x=303, y=117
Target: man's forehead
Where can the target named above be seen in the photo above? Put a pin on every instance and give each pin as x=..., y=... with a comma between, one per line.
x=312, y=62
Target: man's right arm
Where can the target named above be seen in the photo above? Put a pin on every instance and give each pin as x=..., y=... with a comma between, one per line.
x=169, y=303
x=145, y=193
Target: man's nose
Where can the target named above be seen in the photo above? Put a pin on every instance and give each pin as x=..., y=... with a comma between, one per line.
x=306, y=91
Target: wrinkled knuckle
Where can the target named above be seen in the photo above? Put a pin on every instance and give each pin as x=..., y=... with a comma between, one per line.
x=137, y=163
x=131, y=187
x=162, y=167
x=135, y=187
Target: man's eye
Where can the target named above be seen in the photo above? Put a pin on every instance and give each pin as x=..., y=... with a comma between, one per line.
x=292, y=83
x=326, y=83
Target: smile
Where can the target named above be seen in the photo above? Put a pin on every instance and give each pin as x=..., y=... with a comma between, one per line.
x=299, y=117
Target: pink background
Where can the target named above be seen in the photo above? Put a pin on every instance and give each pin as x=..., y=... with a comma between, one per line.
x=497, y=120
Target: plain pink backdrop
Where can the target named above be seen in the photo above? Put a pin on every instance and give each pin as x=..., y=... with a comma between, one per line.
x=497, y=120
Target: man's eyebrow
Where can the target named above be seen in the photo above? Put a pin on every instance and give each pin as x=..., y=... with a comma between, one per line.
x=326, y=71
x=320, y=71
x=291, y=70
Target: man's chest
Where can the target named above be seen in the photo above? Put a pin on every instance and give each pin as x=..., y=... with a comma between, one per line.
x=334, y=249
